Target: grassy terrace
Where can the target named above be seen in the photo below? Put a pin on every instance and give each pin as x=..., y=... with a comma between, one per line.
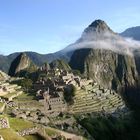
x=9, y=134
x=25, y=96
x=87, y=108
x=20, y=124
x=87, y=105
x=15, y=126
x=86, y=111
x=9, y=95
x=27, y=100
x=86, y=101
x=1, y=104
x=51, y=132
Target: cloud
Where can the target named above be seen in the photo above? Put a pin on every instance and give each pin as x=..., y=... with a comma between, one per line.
x=107, y=41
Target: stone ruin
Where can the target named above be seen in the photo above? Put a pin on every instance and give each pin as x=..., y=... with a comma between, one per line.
x=90, y=97
x=53, y=102
x=29, y=131
x=4, y=123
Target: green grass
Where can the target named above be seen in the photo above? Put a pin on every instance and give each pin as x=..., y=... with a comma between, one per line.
x=9, y=95
x=1, y=104
x=50, y=132
x=25, y=96
x=20, y=124
x=28, y=100
x=9, y=134
x=15, y=126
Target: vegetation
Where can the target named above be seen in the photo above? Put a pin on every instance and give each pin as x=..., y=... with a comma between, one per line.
x=19, y=124
x=9, y=134
x=25, y=97
x=25, y=83
x=69, y=93
x=1, y=104
x=61, y=64
x=77, y=72
x=50, y=132
x=124, y=128
x=111, y=128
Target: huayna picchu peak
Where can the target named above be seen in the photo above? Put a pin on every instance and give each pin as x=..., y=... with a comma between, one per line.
x=20, y=63
x=98, y=26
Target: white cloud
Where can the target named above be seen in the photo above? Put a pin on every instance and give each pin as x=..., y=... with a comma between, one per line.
x=107, y=41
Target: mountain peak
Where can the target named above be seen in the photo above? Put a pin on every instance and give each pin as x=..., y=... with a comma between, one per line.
x=23, y=54
x=98, y=26
x=20, y=63
x=97, y=23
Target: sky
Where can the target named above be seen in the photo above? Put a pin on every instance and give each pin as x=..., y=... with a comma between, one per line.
x=46, y=26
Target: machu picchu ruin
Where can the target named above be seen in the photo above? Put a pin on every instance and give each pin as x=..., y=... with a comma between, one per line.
x=54, y=98
x=88, y=89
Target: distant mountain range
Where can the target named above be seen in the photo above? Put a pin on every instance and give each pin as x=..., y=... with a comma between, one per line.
x=133, y=32
x=38, y=59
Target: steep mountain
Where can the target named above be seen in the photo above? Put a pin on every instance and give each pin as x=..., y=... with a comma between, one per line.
x=20, y=63
x=61, y=64
x=133, y=32
x=109, y=65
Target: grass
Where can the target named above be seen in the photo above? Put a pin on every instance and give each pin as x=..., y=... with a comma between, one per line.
x=2, y=116
x=9, y=95
x=25, y=96
x=17, y=125
x=28, y=100
x=20, y=124
x=50, y=132
x=9, y=134
x=1, y=104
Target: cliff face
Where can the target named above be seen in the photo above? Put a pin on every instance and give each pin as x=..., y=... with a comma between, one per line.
x=20, y=63
x=111, y=68
x=108, y=68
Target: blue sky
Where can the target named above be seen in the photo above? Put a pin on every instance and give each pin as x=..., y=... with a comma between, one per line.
x=47, y=26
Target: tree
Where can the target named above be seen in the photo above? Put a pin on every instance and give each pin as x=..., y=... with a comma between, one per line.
x=69, y=93
x=26, y=84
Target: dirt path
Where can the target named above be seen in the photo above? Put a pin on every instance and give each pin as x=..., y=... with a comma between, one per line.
x=66, y=134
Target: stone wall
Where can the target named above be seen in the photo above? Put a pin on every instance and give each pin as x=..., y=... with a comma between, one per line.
x=4, y=123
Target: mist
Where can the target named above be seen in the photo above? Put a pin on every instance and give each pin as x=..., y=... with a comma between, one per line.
x=107, y=41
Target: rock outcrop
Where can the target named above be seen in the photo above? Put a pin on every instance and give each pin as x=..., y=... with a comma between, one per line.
x=20, y=63
x=107, y=68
